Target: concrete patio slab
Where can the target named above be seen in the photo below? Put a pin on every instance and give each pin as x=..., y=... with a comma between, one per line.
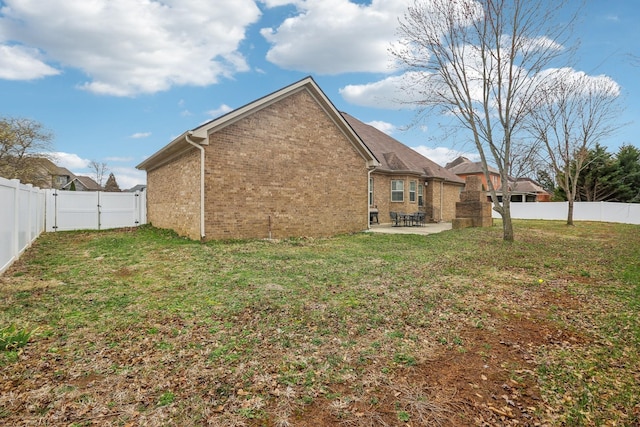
x=429, y=228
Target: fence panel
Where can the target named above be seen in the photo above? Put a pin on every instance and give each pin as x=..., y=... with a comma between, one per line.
x=119, y=210
x=89, y=210
x=72, y=210
x=22, y=210
x=627, y=213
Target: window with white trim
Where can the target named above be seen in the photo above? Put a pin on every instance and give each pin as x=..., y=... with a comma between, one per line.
x=421, y=194
x=412, y=191
x=370, y=191
x=397, y=190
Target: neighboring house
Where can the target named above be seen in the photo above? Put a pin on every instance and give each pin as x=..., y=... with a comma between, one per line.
x=285, y=165
x=47, y=174
x=138, y=187
x=82, y=183
x=406, y=181
x=527, y=190
x=522, y=189
x=464, y=167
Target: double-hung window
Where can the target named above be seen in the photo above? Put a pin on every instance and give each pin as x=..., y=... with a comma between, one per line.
x=412, y=191
x=397, y=190
x=420, y=195
x=370, y=191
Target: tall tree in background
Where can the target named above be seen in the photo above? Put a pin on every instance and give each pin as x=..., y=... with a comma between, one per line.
x=99, y=170
x=23, y=142
x=473, y=60
x=574, y=111
x=112, y=184
x=596, y=181
x=628, y=159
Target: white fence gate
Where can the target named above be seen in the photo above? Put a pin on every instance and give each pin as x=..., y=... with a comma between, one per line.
x=22, y=213
x=27, y=211
x=628, y=213
x=94, y=210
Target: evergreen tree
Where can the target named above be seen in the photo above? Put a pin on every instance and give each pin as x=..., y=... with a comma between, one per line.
x=628, y=183
x=111, y=185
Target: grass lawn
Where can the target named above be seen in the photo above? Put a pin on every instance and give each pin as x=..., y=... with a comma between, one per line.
x=141, y=327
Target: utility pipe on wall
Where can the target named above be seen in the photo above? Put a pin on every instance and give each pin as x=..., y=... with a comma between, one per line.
x=201, y=148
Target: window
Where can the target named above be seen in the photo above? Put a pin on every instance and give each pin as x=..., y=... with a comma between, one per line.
x=370, y=191
x=397, y=190
x=421, y=195
x=412, y=191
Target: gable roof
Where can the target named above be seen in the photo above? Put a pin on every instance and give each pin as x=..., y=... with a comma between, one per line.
x=200, y=134
x=395, y=157
x=88, y=183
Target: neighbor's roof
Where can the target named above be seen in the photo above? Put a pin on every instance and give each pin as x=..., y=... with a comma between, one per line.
x=395, y=157
x=527, y=185
x=86, y=182
x=464, y=166
x=200, y=134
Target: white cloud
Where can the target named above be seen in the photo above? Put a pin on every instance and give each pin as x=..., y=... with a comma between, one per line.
x=128, y=47
x=221, y=110
x=139, y=135
x=443, y=155
x=22, y=63
x=335, y=36
x=388, y=93
x=69, y=160
x=385, y=127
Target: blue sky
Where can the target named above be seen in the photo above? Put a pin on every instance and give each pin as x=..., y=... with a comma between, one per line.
x=116, y=80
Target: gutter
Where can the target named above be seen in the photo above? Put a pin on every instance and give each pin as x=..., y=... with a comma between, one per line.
x=201, y=148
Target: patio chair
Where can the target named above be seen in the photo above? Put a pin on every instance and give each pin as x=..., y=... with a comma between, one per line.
x=419, y=218
x=395, y=218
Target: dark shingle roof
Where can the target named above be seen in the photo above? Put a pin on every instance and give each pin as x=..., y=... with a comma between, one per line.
x=464, y=166
x=394, y=156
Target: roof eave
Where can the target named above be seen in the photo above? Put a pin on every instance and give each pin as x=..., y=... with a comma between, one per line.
x=170, y=151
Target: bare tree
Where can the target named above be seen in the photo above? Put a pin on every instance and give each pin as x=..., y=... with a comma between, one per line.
x=23, y=143
x=574, y=112
x=99, y=170
x=473, y=60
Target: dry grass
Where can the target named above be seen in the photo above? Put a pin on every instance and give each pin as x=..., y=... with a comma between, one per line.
x=145, y=328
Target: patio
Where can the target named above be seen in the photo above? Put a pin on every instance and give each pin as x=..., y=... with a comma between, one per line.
x=428, y=228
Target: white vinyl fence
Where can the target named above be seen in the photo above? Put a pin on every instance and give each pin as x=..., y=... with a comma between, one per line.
x=628, y=213
x=27, y=211
x=94, y=210
x=22, y=209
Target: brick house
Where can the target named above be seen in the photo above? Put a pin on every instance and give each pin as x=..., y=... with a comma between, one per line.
x=522, y=189
x=406, y=181
x=287, y=164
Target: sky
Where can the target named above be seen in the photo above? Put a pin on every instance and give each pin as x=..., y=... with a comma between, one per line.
x=116, y=80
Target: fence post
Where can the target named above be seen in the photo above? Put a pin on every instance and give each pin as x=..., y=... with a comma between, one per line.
x=15, y=247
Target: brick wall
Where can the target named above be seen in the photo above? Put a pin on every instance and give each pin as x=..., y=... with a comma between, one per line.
x=441, y=200
x=173, y=195
x=285, y=170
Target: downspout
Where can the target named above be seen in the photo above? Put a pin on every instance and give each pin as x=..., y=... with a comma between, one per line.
x=441, y=198
x=201, y=148
x=371, y=169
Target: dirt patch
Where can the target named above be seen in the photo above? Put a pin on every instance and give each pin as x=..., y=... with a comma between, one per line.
x=489, y=380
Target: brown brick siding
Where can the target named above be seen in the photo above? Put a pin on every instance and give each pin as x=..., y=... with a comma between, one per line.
x=285, y=170
x=173, y=195
x=432, y=199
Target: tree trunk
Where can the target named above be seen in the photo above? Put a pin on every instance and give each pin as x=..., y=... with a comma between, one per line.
x=507, y=223
x=570, y=212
